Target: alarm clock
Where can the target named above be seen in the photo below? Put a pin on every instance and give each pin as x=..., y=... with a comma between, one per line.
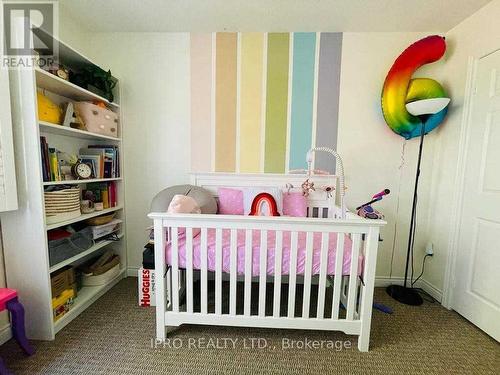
x=81, y=170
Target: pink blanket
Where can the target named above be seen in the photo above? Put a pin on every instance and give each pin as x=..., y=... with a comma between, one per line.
x=285, y=267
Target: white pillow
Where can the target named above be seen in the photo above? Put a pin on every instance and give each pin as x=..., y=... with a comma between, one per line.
x=250, y=193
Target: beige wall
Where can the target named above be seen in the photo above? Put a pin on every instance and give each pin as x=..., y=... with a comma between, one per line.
x=374, y=156
x=475, y=37
x=154, y=73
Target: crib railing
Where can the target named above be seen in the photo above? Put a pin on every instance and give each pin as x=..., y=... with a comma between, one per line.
x=349, y=297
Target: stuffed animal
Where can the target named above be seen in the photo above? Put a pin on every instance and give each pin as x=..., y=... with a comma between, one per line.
x=47, y=110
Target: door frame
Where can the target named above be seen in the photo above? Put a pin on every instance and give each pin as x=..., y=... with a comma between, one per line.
x=458, y=194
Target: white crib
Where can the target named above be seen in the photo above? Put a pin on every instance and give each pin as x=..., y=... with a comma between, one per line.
x=354, y=292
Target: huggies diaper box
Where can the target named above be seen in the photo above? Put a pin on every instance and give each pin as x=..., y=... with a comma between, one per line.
x=147, y=288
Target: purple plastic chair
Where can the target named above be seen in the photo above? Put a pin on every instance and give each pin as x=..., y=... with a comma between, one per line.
x=9, y=301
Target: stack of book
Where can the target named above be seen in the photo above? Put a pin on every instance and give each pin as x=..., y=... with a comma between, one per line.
x=104, y=160
x=104, y=192
x=51, y=169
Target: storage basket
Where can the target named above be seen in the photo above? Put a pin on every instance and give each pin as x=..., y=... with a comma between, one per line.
x=97, y=119
x=65, y=248
x=91, y=280
x=62, y=205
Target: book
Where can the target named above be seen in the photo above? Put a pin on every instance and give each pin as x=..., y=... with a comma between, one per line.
x=104, y=192
x=111, y=159
x=54, y=165
x=44, y=156
x=99, y=156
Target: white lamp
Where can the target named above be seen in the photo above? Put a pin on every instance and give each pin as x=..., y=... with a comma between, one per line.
x=427, y=106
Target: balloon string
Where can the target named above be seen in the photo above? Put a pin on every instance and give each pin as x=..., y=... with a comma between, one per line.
x=402, y=155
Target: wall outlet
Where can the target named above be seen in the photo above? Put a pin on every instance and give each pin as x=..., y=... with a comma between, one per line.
x=429, y=249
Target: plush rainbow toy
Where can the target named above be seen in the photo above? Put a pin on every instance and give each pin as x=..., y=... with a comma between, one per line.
x=400, y=88
x=259, y=200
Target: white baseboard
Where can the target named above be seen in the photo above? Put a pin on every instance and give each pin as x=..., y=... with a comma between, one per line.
x=132, y=271
x=5, y=334
x=436, y=293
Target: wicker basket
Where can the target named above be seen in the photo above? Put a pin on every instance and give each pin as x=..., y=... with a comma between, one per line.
x=62, y=205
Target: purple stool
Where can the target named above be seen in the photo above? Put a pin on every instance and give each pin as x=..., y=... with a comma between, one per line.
x=9, y=301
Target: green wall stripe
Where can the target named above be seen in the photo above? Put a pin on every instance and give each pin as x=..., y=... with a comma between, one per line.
x=276, y=102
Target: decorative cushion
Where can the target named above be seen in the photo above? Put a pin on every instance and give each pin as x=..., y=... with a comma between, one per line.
x=250, y=193
x=264, y=204
x=230, y=201
x=294, y=204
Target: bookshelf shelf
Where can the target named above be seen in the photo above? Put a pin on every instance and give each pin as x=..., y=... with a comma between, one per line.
x=98, y=245
x=86, y=296
x=47, y=127
x=50, y=82
x=26, y=257
x=83, y=217
x=79, y=182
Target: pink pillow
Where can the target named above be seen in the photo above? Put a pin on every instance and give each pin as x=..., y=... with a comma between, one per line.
x=230, y=201
x=294, y=204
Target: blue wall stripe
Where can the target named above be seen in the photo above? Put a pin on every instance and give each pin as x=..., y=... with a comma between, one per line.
x=330, y=55
x=304, y=47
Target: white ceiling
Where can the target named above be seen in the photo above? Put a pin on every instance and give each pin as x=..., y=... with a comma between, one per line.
x=270, y=15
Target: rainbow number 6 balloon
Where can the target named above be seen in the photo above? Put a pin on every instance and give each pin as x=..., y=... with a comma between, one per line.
x=400, y=88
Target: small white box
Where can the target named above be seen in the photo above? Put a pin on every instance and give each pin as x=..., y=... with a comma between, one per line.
x=147, y=290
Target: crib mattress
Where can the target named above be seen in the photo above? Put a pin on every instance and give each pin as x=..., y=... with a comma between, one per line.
x=271, y=237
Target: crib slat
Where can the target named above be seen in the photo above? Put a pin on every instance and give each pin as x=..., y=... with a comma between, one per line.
x=277, y=273
x=189, y=270
x=353, y=276
x=248, y=272
x=203, y=291
x=175, y=269
x=233, y=273
x=339, y=261
x=322, y=275
x=307, y=275
x=262, y=273
x=218, y=271
x=292, y=275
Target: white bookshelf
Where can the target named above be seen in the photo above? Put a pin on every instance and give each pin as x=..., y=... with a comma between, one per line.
x=25, y=230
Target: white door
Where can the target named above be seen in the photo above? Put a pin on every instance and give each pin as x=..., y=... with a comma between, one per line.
x=476, y=295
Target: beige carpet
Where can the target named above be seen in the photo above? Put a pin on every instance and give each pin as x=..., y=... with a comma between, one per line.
x=114, y=337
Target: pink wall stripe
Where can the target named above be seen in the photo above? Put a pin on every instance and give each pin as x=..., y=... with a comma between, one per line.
x=201, y=92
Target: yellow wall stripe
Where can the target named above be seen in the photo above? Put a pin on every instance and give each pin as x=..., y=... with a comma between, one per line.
x=251, y=101
x=225, y=102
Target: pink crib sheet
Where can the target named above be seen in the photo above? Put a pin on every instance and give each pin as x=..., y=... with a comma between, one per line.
x=285, y=267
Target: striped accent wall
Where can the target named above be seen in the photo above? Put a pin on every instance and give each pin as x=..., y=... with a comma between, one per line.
x=259, y=101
